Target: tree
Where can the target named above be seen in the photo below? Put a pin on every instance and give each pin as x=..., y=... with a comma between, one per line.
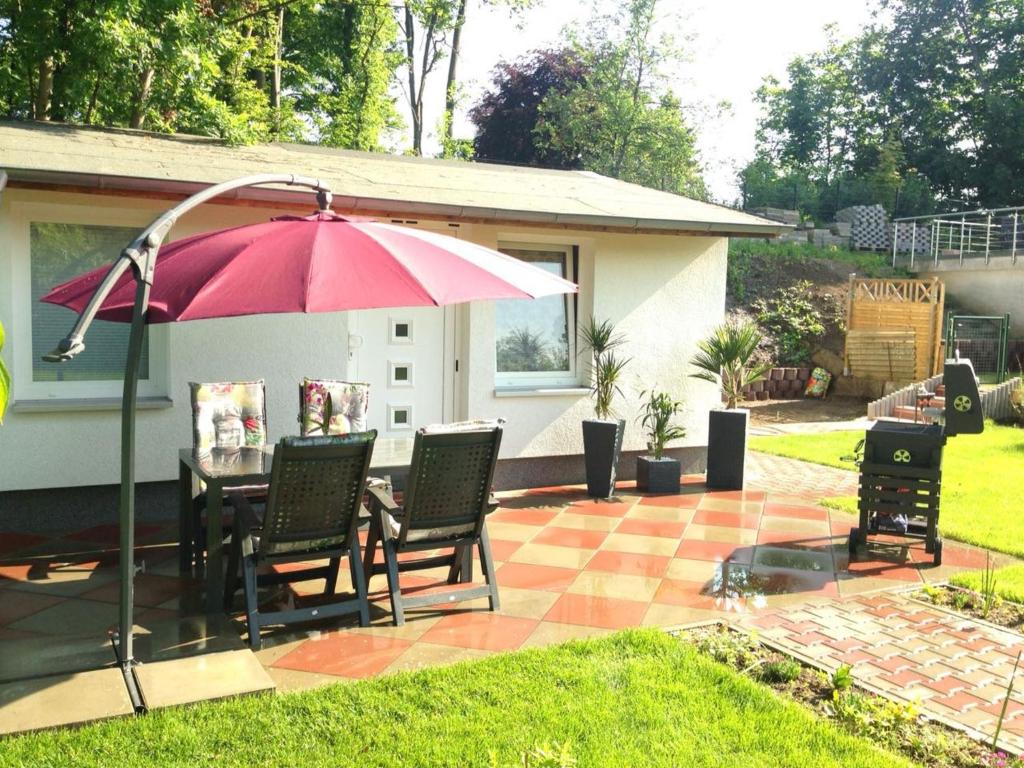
x=506, y=116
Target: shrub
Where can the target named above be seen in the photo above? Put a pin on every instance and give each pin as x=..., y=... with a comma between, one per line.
x=793, y=320
x=785, y=671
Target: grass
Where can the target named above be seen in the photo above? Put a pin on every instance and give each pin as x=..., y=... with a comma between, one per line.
x=982, y=496
x=639, y=697
x=866, y=263
x=1009, y=582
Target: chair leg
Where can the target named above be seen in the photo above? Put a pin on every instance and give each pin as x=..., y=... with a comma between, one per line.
x=198, y=539
x=372, y=537
x=394, y=589
x=332, y=576
x=466, y=571
x=231, y=577
x=251, y=607
x=359, y=583
x=487, y=566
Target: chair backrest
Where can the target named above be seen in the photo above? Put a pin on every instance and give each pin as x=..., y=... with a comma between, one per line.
x=349, y=403
x=316, y=490
x=228, y=414
x=449, y=486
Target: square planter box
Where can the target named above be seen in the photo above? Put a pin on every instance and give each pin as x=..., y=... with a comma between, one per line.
x=657, y=475
x=727, y=448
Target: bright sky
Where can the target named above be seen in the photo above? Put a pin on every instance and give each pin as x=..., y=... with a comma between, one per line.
x=736, y=43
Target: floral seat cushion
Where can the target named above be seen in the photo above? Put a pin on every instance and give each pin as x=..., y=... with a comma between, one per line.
x=228, y=415
x=341, y=404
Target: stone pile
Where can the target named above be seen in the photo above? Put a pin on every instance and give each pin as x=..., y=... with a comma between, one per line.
x=869, y=227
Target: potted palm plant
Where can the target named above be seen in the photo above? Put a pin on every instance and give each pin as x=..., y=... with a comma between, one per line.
x=726, y=358
x=602, y=435
x=657, y=473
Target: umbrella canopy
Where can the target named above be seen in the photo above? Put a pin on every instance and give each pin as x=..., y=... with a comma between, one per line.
x=318, y=263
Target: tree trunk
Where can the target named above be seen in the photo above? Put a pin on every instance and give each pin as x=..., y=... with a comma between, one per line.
x=275, y=83
x=44, y=89
x=415, y=103
x=141, y=98
x=453, y=60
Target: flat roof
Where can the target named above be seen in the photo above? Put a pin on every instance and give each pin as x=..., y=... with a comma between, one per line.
x=34, y=153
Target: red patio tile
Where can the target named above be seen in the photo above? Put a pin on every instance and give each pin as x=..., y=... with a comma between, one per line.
x=726, y=519
x=695, y=549
x=789, y=510
x=904, y=679
x=791, y=540
x=946, y=685
x=13, y=541
x=603, y=612
x=501, y=549
x=109, y=534
x=884, y=569
x=653, y=566
x=602, y=508
x=527, y=516
x=150, y=589
x=678, y=500
x=737, y=495
x=349, y=654
x=893, y=664
x=843, y=646
x=570, y=537
x=959, y=702
x=684, y=593
x=481, y=630
x=545, y=577
x=661, y=528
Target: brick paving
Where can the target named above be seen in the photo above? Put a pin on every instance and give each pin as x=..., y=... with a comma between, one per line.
x=955, y=668
x=778, y=474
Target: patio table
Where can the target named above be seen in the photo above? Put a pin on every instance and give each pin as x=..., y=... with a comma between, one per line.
x=220, y=469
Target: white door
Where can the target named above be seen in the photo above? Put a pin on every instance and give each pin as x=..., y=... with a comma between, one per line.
x=407, y=357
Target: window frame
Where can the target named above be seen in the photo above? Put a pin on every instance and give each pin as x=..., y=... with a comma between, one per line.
x=556, y=379
x=24, y=215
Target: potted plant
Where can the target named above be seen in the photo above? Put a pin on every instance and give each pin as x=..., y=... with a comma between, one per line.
x=602, y=435
x=726, y=358
x=657, y=473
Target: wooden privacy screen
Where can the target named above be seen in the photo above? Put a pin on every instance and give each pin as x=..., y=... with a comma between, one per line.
x=894, y=328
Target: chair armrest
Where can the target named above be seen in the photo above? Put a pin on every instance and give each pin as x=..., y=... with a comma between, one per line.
x=246, y=518
x=381, y=498
x=492, y=504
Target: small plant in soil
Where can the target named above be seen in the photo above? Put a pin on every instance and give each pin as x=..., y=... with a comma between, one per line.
x=783, y=671
x=988, y=587
x=842, y=678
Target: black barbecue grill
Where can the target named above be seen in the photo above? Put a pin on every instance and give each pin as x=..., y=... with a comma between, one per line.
x=901, y=468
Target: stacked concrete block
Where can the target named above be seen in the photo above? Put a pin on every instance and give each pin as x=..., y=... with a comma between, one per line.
x=869, y=226
x=782, y=215
x=824, y=238
x=908, y=234
x=779, y=384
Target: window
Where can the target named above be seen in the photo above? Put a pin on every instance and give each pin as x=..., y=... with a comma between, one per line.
x=59, y=252
x=534, y=338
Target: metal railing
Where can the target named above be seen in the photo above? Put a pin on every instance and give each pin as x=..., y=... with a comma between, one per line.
x=971, y=235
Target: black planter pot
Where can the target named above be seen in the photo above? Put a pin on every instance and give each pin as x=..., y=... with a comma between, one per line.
x=602, y=442
x=657, y=475
x=727, y=448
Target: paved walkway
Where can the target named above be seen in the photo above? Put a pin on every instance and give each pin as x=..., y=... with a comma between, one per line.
x=777, y=474
x=955, y=668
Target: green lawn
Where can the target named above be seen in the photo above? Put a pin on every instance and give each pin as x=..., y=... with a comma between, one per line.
x=1009, y=582
x=982, y=492
x=636, y=698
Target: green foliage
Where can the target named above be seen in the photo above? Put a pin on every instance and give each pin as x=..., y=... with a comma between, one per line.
x=735, y=649
x=5, y=380
x=842, y=678
x=244, y=72
x=521, y=349
x=988, y=587
x=543, y=756
x=922, y=105
x=659, y=411
x=726, y=358
x=606, y=367
x=784, y=671
x=1009, y=582
x=793, y=321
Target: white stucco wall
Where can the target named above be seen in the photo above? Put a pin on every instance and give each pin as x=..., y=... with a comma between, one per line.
x=993, y=289
x=664, y=293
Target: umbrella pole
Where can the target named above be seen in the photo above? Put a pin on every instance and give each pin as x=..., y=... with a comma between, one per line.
x=126, y=506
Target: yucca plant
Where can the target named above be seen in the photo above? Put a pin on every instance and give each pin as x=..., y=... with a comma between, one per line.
x=5, y=380
x=659, y=411
x=606, y=367
x=726, y=358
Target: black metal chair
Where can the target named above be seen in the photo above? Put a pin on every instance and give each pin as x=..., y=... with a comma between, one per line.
x=447, y=498
x=312, y=513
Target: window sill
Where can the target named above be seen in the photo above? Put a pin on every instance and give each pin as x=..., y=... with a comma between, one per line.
x=541, y=391
x=55, y=405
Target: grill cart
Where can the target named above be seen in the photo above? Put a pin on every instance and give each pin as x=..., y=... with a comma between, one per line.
x=901, y=467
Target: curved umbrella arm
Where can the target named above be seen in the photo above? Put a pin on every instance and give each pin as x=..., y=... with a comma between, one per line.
x=140, y=254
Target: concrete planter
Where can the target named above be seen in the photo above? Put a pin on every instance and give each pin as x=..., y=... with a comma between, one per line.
x=657, y=475
x=602, y=442
x=727, y=448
